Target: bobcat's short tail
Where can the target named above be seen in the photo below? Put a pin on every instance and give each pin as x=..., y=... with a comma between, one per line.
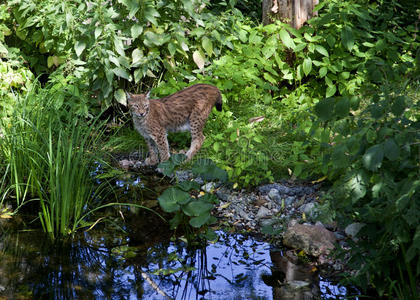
x=219, y=102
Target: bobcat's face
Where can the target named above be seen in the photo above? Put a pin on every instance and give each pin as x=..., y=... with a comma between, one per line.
x=138, y=104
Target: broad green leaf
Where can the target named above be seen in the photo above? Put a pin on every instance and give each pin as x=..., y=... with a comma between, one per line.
x=199, y=221
x=207, y=45
x=171, y=198
x=172, y=48
x=3, y=49
x=398, y=106
x=347, y=38
x=372, y=159
x=307, y=66
x=321, y=50
x=391, y=149
x=323, y=108
x=79, y=47
x=197, y=207
x=198, y=59
x=342, y=107
x=286, y=39
x=331, y=89
x=207, y=170
x=188, y=185
x=98, y=31
x=155, y=39
x=138, y=75
x=323, y=71
x=120, y=72
x=357, y=186
x=137, y=55
x=120, y=97
x=136, y=30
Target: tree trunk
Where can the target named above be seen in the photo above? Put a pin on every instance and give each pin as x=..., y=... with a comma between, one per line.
x=293, y=12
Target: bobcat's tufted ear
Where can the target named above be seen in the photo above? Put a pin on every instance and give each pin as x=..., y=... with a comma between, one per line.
x=148, y=95
x=128, y=95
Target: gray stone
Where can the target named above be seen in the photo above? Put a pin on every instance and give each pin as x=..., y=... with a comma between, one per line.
x=262, y=213
x=339, y=235
x=222, y=195
x=314, y=240
x=289, y=201
x=274, y=195
x=309, y=209
x=353, y=229
x=209, y=187
x=243, y=214
x=297, y=284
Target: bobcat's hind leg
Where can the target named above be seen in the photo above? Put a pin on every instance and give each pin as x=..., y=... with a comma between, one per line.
x=197, y=139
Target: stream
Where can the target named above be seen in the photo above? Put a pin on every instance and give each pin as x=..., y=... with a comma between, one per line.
x=133, y=255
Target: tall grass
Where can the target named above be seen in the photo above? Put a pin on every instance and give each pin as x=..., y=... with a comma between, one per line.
x=47, y=152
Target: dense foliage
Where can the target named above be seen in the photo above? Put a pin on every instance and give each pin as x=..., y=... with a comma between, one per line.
x=337, y=98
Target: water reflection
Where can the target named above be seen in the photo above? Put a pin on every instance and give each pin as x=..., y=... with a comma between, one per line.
x=109, y=266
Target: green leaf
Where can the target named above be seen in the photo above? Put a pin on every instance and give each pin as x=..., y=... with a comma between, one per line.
x=79, y=47
x=171, y=199
x=323, y=108
x=398, y=106
x=347, y=38
x=120, y=72
x=331, y=89
x=323, y=71
x=199, y=221
x=357, y=185
x=188, y=185
x=207, y=45
x=198, y=59
x=342, y=107
x=207, y=170
x=98, y=31
x=307, y=66
x=286, y=39
x=120, y=97
x=321, y=50
x=372, y=159
x=197, y=207
x=391, y=149
x=136, y=30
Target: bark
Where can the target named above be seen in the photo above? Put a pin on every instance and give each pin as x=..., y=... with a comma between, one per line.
x=293, y=12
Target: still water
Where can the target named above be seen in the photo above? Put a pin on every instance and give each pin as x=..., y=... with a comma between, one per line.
x=101, y=266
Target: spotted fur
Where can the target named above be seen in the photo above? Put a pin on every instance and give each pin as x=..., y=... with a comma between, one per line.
x=186, y=110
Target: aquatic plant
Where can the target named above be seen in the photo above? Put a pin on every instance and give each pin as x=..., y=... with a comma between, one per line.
x=48, y=150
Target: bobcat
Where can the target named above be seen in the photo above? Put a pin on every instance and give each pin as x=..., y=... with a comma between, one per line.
x=185, y=110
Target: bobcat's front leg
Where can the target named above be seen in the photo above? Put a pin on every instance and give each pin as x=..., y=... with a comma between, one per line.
x=153, y=158
x=162, y=145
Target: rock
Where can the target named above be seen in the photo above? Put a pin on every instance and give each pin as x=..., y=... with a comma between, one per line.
x=265, y=189
x=243, y=214
x=125, y=164
x=289, y=201
x=353, y=229
x=224, y=196
x=314, y=240
x=339, y=235
x=262, y=213
x=297, y=284
x=209, y=187
x=274, y=195
x=309, y=209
